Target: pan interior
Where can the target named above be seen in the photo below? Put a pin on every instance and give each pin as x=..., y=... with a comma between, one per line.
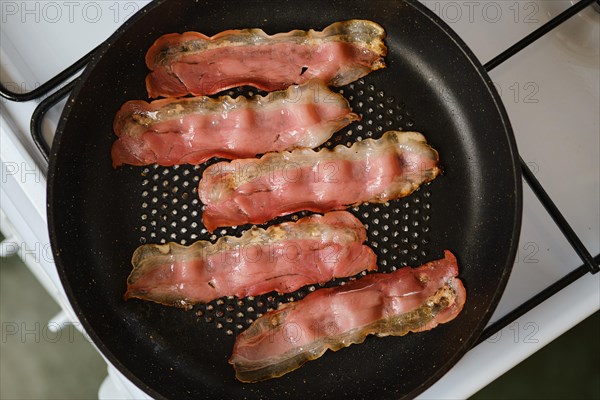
x=98, y=215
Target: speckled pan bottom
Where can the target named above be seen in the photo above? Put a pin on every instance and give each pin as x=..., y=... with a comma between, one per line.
x=397, y=231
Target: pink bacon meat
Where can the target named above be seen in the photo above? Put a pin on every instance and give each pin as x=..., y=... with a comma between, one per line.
x=192, y=130
x=193, y=63
x=283, y=257
x=394, y=304
x=257, y=190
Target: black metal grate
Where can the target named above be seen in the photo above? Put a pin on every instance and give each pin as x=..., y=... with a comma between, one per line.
x=210, y=311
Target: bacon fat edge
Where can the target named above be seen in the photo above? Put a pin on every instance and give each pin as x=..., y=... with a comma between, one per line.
x=283, y=258
x=257, y=190
x=193, y=63
x=393, y=304
x=193, y=130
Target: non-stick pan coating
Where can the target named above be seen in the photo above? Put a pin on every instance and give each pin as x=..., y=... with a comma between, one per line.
x=98, y=215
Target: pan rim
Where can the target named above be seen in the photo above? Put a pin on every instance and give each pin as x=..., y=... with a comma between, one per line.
x=517, y=203
x=53, y=156
x=518, y=198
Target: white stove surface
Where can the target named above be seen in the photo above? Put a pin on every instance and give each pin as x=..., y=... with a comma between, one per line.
x=550, y=90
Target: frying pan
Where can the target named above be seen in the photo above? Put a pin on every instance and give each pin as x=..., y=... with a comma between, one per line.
x=98, y=215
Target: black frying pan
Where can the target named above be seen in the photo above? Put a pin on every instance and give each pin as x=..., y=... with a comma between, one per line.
x=98, y=215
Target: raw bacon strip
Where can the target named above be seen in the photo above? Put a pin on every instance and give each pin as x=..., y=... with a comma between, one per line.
x=284, y=258
x=192, y=130
x=257, y=190
x=407, y=300
x=195, y=63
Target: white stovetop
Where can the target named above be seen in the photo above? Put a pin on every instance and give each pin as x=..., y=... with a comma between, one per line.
x=550, y=90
